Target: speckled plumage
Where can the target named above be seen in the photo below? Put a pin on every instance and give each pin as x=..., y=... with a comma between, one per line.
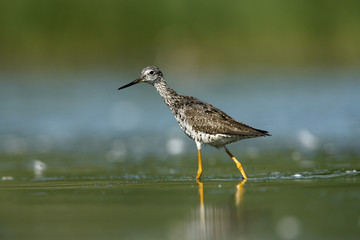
x=202, y=122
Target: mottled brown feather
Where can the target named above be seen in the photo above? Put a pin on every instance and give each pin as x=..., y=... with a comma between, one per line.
x=206, y=118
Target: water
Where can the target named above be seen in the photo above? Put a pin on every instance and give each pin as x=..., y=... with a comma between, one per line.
x=311, y=205
x=80, y=160
x=64, y=196
x=49, y=112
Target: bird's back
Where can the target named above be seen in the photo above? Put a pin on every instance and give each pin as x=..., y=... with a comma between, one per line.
x=203, y=118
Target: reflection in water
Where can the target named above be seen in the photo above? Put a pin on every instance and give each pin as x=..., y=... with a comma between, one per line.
x=202, y=209
x=218, y=222
x=239, y=193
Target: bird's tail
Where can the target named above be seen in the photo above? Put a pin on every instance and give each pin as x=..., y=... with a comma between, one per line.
x=265, y=133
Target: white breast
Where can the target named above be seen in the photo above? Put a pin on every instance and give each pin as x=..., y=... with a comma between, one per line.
x=216, y=140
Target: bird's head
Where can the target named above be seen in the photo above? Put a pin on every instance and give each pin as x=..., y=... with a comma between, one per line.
x=150, y=74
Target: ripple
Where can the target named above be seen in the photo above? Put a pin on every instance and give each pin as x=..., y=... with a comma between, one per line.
x=153, y=178
x=316, y=174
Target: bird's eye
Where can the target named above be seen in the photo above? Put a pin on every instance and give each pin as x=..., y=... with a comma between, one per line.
x=151, y=72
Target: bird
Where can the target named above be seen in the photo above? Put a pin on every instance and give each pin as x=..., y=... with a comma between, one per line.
x=202, y=122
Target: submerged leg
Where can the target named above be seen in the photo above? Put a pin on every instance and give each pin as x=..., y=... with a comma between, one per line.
x=238, y=164
x=199, y=172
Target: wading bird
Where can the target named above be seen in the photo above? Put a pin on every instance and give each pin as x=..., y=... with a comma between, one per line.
x=202, y=122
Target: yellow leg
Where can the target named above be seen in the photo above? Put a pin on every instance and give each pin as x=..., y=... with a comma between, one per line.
x=238, y=164
x=199, y=172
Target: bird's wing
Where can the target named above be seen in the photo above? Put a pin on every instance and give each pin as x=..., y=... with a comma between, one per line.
x=207, y=118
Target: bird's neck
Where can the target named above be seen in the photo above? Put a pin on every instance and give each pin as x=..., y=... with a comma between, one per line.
x=167, y=93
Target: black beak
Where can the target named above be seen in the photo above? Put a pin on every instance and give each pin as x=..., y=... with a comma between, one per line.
x=130, y=84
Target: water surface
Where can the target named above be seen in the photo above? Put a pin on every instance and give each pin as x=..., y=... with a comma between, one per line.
x=99, y=203
x=80, y=160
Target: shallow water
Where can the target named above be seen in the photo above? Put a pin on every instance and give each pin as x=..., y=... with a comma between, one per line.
x=313, y=203
x=80, y=160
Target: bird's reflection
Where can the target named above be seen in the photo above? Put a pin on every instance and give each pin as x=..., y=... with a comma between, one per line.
x=216, y=222
x=226, y=210
x=239, y=193
x=202, y=208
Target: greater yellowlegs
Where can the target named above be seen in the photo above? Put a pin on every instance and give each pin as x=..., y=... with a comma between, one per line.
x=202, y=122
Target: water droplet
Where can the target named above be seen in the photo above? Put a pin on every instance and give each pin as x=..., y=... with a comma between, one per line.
x=175, y=146
x=39, y=167
x=7, y=178
x=307, y=139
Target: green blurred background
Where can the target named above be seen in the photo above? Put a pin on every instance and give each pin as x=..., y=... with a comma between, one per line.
x=72, y=35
